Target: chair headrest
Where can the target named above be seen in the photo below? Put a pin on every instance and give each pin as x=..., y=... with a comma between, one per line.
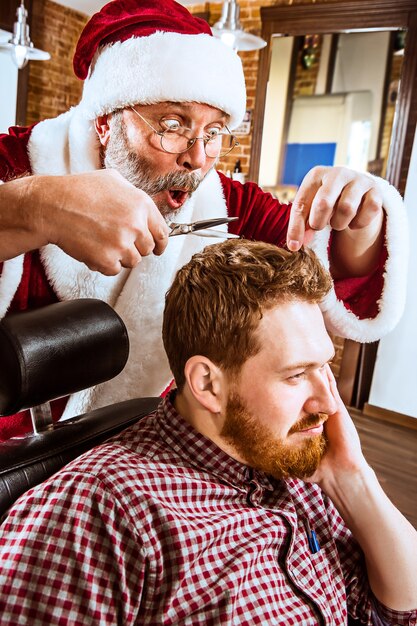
x=58, y=350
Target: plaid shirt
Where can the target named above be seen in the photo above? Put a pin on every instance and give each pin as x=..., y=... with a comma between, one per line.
x=159, y=526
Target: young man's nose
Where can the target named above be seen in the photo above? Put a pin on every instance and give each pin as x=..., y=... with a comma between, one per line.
x=321, y=399
x=195, y=157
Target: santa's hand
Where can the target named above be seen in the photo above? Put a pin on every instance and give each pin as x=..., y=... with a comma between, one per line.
x=338, y=196
x=97, y=218
x=343, y=457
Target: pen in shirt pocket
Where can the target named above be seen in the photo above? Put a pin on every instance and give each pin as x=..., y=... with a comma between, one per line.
x=312, y=539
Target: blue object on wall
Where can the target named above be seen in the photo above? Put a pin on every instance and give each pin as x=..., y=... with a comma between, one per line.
x=301, y=157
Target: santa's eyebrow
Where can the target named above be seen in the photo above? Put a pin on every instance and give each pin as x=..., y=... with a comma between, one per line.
x=186, y=109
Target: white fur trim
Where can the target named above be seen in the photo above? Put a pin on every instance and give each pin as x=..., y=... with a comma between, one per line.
x=138, y=296
x=344, y=323
x=166, y=66
x=67, y=144
x=10, y=278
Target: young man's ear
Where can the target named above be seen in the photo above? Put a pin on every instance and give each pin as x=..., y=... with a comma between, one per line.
x=206, y=383
x=102, y=126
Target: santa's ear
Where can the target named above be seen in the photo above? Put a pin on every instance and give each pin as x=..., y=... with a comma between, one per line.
x=102, y=126
x=206, y=382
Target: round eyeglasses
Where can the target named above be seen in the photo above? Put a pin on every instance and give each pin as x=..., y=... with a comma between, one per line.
x=178, y=140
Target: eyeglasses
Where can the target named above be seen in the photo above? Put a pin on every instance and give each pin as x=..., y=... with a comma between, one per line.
x=177, y=141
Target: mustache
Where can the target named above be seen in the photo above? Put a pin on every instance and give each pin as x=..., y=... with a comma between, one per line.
x=309, y=421
x=177, y=180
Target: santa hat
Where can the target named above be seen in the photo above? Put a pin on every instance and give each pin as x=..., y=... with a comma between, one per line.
x=149, y=51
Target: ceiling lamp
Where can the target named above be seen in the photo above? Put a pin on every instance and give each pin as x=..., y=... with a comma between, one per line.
x=20, y=44
x=230, y=31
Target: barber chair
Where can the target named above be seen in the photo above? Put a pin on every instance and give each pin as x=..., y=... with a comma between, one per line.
x=47, y=354
x=53, y=352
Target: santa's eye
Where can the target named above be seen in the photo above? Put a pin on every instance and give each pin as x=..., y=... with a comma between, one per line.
x=171, y=124
x=213, y=131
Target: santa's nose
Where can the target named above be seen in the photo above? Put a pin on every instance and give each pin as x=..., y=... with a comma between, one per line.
x=195, y=157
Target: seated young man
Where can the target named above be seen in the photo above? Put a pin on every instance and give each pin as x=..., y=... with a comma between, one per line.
x=244, y=499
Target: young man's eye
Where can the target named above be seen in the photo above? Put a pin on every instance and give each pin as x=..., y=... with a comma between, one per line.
x=298, y=376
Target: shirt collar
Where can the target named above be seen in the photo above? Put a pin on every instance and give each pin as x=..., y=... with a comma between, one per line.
x=201, y=452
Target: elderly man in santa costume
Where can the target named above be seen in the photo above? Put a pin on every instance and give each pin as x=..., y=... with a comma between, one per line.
x=87, y=196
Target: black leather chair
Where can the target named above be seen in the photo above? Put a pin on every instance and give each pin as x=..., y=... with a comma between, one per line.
x=53, y=352
x=49, y=353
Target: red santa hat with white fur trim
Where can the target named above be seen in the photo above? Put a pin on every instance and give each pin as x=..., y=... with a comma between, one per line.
x=149, y=51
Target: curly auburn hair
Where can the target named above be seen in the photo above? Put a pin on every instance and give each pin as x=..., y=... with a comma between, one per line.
x=216, y=301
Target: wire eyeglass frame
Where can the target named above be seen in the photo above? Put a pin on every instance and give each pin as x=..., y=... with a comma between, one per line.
x=163, y=134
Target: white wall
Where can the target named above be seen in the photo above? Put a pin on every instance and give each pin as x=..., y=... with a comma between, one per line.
x=360, y=65
x=8, y=86
x=394, y=385
x=334, y=116
x=276, y=100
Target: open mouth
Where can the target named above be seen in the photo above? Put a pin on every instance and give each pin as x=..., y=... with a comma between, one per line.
x=177, y=197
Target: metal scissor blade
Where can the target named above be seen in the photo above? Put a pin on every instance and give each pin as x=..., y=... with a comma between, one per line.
x=211, y=232
x=216, y=221
x=196, y=227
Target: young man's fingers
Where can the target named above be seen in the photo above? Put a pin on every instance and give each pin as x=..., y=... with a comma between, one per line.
x=332, y=383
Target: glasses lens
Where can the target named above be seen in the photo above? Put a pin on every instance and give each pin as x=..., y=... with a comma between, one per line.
x=221, y=146
x=177, y=142
x=174, y=142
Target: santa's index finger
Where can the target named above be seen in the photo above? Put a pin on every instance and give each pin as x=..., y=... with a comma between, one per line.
x=300, y=211
x=296, y=226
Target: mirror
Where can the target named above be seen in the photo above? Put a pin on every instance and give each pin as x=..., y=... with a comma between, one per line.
x=326, y=106
x=328, y=29
x=322, y=26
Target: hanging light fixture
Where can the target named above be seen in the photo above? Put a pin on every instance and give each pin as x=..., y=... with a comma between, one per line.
x=20, y=45
x=230, y=31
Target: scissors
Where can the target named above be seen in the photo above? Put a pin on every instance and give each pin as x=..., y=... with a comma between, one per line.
x=203, y=228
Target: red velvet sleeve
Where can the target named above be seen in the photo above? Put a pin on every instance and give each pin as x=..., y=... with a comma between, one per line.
x=361, y=294
x=263, y=218
x=14, y=159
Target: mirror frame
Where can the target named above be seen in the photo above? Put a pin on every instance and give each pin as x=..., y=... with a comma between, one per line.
x=339, y=17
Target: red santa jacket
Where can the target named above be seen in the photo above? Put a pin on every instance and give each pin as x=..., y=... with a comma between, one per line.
x=261, y=217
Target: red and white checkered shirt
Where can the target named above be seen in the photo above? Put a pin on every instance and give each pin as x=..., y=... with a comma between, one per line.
x=159, y=526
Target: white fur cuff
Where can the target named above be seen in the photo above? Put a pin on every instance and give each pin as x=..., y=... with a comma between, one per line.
x=344, y=323
x=10, y=278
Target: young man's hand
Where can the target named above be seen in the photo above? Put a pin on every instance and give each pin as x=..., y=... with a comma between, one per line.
x=387, y=539
x=344, y=456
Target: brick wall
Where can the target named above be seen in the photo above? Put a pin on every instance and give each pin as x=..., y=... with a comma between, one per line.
x=53, y=88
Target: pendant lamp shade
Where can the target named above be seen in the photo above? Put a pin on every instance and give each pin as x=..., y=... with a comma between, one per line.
x=230, y=31
x=20, y=45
